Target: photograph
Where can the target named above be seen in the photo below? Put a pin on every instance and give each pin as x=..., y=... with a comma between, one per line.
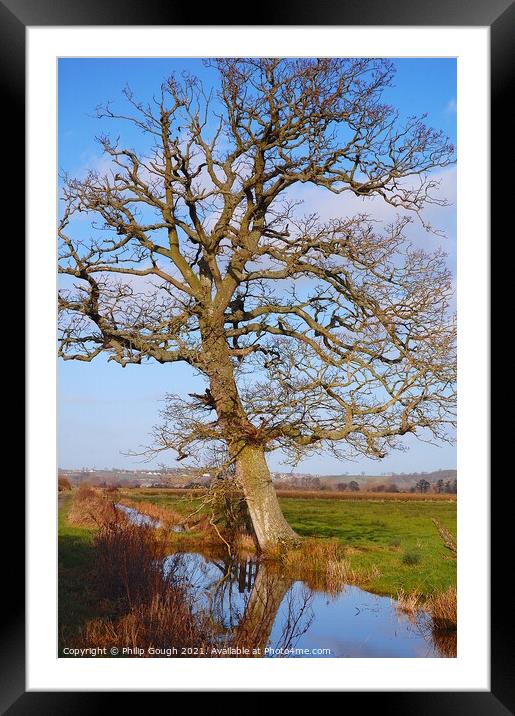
x=256, y=364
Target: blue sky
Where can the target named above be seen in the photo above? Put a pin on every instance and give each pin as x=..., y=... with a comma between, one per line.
x=105, y=410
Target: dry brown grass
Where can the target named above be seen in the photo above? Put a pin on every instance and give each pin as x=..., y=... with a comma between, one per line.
x=244, y=545
x=312, y=494
x=166, y=623
x=321, y=563
x=63, y=484
x=92, y=507
x=338, y=573
x=198, y=532
x=443, y=608
x=165, y=516
x=150, y=608
x=112, y=491
x=189, y=492
x=409, y=603
x=309, y=554
x=446, y=643
x=370, y=574
x=438, y=621
x=373, y=496
x=208, y=543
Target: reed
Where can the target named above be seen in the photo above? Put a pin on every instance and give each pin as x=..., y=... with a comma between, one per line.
x=153, y=608
x=321, y=564
x=409, y=602
x=443, y=608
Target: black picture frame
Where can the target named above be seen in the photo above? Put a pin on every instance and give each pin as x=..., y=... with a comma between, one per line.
x=499, y=15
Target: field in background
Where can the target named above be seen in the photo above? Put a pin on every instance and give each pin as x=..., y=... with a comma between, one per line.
x=187, y=494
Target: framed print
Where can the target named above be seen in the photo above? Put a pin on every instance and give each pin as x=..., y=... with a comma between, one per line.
x=264, y=444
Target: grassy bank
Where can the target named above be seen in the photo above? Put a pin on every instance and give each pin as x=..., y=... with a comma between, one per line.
x=398, y=538
x=394, y=541
x=77, y=598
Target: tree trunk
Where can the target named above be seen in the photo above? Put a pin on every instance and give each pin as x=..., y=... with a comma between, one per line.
x=267, y=518
x=252, y=471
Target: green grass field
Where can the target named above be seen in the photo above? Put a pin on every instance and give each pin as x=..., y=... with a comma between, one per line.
x=397, y=537
x=76, y=597
x=388, y=535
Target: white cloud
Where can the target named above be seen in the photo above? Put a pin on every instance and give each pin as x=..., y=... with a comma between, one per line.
x=441, y=218
x=451, y=106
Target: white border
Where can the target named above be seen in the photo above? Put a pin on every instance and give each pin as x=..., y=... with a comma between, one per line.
x=470, y=671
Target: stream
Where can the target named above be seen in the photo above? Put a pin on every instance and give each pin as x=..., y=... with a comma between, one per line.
x=288, y=618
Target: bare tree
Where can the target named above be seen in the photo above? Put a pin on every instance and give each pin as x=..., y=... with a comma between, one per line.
x=310, y=334
x=422, y=486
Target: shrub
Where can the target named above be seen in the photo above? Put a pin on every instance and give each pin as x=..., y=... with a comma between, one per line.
x=63, y=484
x=156, y=607
x=166, y=623
x=411, y=558
x=128, y=562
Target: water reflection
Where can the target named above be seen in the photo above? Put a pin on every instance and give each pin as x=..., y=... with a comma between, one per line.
x=272, y=601
x=137, y=518
x=245, y=601
x=257, y=610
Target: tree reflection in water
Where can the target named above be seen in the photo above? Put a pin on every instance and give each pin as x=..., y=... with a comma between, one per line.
x=242, y=599
x=250, y=606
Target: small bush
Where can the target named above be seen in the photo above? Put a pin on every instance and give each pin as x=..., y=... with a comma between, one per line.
x=63, y=484
x=166, y=622
x=411, y=558
x=128, y=562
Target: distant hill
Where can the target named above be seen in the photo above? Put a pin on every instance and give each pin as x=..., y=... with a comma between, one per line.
x=187, y=477
x=402, y=480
